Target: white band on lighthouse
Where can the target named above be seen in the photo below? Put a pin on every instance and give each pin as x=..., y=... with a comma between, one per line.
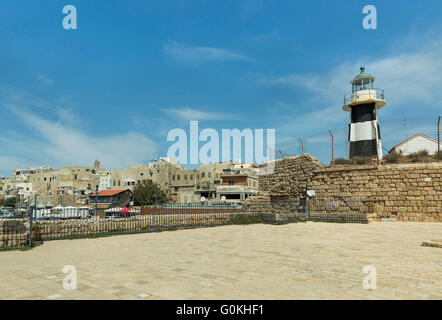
x=363, y=131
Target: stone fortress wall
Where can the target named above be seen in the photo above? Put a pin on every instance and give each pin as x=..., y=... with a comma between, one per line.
x=401, y=192
x=404, y=192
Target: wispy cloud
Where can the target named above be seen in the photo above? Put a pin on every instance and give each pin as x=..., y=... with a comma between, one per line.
x=45, y=79
x=53, y=139
x=195, y=114
x=410, y=79
x=196, y=54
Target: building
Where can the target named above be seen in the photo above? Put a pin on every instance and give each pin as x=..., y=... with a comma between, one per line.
x=363, y=104
x=122, y=197
x=73, y=185
x=416, y=143
x=237, y=186
x=23, y=174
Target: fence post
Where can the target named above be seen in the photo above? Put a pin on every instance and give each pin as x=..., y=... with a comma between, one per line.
x=31, y=218
x=438, y=138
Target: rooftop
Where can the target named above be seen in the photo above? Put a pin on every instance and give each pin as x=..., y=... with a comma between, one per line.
x=109, y=192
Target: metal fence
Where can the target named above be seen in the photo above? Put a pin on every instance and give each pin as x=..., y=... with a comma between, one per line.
x=338, y=210
x=36, y=225
x=334, y=144
x=282, y=210
x=26, y=228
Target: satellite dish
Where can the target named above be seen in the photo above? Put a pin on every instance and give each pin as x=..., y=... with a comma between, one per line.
x=203, y=199
x=223, y=198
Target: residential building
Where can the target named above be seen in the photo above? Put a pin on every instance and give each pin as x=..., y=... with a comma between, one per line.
x=416, y=143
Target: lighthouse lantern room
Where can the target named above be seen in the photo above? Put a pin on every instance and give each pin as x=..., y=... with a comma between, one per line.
x=363, y=103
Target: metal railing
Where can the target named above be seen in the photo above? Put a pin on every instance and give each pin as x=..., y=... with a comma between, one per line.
x=370, y=93
x=351, y=210
x=71, y=222
x=24, y=229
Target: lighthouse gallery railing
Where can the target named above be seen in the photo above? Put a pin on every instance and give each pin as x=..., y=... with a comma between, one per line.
x=374, y=93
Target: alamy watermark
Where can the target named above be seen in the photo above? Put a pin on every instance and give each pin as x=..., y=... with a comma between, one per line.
x=369, y=281
x=257, y=148
x=70, y=20
x=71, y=280
x=370, y=21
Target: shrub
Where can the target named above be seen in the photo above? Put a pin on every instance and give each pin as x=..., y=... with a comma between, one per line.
x=422, y=153
x=440, y=155
x=342, y=161
x=359, y=160
x=414, y=157
x=392, y=157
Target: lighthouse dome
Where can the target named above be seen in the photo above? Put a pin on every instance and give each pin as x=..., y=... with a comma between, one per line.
x=362, y=76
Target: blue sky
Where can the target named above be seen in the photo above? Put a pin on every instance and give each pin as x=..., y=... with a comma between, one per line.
x=133, y=70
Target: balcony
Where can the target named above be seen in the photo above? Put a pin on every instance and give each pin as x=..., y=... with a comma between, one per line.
x=364, y=95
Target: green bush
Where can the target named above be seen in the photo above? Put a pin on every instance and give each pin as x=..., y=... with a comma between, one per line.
x=392, y=157
x=440, y=155
x=342, y=161
x=422, y=153
x=360, y=160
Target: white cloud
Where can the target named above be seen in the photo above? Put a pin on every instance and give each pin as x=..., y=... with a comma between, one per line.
x=60, y=142
x=194, y=114
x=195, y=54
x=45, y=79
x=411, y=81
x=65, y=145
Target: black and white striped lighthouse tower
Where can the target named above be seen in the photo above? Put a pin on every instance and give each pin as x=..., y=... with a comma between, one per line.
x=363, y=103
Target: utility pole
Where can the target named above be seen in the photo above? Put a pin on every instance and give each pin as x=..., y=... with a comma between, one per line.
x=438, y=138
x=302, y=145
x=332, y=143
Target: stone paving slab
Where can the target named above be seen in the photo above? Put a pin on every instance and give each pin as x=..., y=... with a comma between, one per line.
x=295, y=261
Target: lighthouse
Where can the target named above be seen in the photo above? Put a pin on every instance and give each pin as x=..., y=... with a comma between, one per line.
x=363, y=103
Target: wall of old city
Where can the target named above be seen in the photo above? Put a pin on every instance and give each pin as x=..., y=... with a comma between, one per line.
x=282, y=185
x=403, y=192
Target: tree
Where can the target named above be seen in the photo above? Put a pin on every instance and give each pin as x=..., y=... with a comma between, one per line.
x=10, y=202
x=148, y=193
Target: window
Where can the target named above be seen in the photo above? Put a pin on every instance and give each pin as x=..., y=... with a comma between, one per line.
x=202, y=175
x=185, y=177
x=191, y=177
x=209, y=174
x=119, y=182
x=178, y=177
x=173, y=177
x=231, y=182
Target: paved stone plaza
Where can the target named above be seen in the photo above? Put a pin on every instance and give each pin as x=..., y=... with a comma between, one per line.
x=295, y=261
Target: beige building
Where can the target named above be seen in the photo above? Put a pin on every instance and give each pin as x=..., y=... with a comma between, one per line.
x=73, y=185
